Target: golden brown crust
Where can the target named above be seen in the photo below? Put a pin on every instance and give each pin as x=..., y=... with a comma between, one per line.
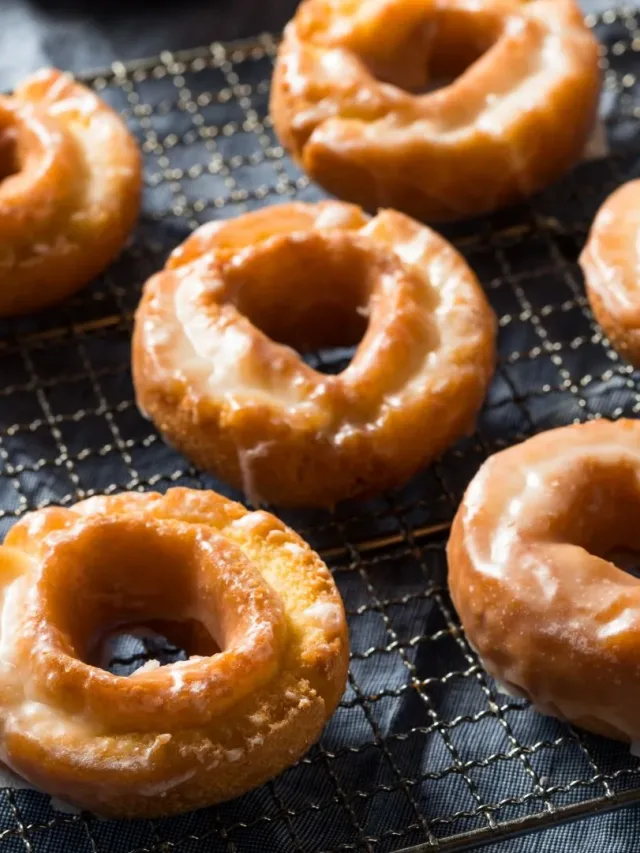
x=513, y=120
x=531, y=572
x=186, y=735
x=72, y=191
x=609, y=262
x=247, y=408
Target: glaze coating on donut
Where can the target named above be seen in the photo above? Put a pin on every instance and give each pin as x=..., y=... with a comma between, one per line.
x=610, y=262
x=70, y=178
x=268, y=668
x=531, y=575
x=214, y=368
x=349, y=101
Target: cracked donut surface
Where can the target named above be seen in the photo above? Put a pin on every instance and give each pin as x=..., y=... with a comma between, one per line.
x=519, y=94
x=165, y=739
x=532, y=576
x=215, y=370
x=70, y=178
x=610, y=262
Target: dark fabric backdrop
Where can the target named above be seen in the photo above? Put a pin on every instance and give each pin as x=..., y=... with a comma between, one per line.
x=76, y=35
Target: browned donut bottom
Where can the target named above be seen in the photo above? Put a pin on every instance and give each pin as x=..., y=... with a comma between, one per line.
x=356, y=98
x=610, y=262
x=267, y=669
x=215, y=369
x=70, y=179
x=532, y=577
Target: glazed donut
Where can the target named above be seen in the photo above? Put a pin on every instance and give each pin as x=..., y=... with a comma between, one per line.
x=165, y=739
x=214, y=370
x=350, y=101
x=69, y=190
x=531, y=577
x=610, y=262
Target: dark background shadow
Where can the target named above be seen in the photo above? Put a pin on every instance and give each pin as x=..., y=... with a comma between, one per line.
x=81, y=34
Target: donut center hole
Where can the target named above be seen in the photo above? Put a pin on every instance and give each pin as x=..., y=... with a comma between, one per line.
x=157, y=643
x=626, y=559
x=134, y=592
x=597, y=507
x=9, y=158
x=430, y=51
x=310, y=292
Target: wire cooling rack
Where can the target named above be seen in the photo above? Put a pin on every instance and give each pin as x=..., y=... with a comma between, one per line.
x=424, y=749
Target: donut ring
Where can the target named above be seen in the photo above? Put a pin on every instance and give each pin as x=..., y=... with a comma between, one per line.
x=530, y=576
x=346, y=100
x=69, y=190
x=610, y=261
x=251, y=411
x=192, y=733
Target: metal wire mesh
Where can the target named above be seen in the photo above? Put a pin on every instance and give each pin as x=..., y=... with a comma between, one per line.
x=424, y=749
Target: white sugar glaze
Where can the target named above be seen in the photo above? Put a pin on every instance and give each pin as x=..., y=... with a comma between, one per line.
x=343, y=103
x=219, y=362
x=157, y=734
x=547, y=612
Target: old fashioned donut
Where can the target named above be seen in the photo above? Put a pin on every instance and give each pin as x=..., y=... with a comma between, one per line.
x=531, y=577
x=610, y=262
x=351, y=101
x=69, y=190
x=247, y=703
x=214, y=368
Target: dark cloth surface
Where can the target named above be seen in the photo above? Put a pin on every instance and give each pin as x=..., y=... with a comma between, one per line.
x=76, y=35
